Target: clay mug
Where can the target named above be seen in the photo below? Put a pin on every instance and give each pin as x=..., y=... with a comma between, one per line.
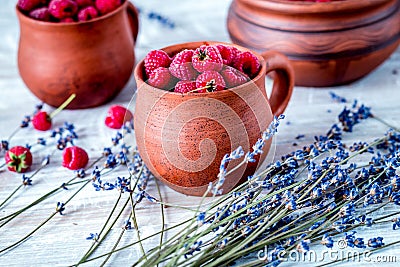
x=93, y=59
x=182, y=138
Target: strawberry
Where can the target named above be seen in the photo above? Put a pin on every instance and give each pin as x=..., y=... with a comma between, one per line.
x=41, y=121
x=228, y=53
x=117, y=116
x=18, y=159
x=185, y=86
x=181, y=66
x=233, y=77
x=247, y=63
x=155, y=59
x=207, y=57
x=74, y=158
x=210, y=81
x=162, y=78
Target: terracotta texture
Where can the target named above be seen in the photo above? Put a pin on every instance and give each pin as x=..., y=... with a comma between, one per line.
x=92, y=59
x=183, y=137
x=328, y=43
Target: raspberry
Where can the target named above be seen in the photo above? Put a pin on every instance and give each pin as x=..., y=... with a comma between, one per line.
x=228, y=53
x=181, y=66
x=18, y=159
x=233, y=77
x=247, y=63
x=185, y=86
x=210, y=81
x=87, y=13
x=106, y=6
x=117, y=116
x=85, y=3
x=41, y=13
x=74, y=158
x=207, y=57
x=162, y=78
x=29, y=5
x=41, y=121
x=67, y=20
x=155, y=59
x=63, y=8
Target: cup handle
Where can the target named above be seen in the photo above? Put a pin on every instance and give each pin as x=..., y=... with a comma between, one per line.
x=283, y=77
x=133, y=16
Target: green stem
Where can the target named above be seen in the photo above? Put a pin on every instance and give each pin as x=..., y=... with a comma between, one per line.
x=10, y=196
x=63, y=105
x=113, y=248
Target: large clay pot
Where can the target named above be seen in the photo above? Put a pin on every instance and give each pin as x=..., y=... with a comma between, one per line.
x=93, y=59
x=182, y=138
x=328, y=43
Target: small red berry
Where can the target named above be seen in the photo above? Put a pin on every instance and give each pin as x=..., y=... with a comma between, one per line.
x=106, y=6
x=67, y=20
x=247, y=63
x=63, y=8
x=207, y=57
x=181, y=66
x=233, y=77
x=29, y=5
x=185, y=86
x=117, y=116
x=74, y=158
x=41, y=121
x=211, y=81
x=162, y=78
x=18, y=159
x=41, y=13
x=87, y=13
x=84, y=3
x=155, y=59
x=228, y=53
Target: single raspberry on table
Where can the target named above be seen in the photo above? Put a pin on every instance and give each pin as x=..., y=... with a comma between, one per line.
x=155, y=59
x=207, y=57
x=116, y=116
x=210, y=81
x=18, y=159
x=247, y=63
x=233, y=77
x=61, y=9
x=185, y=86
x=29, y=5
x=162, y=78
x=84, y=3
x=106, y=6
x=41, y=121
x=228, y=53
x=87, y=13
x=74, y=158
x=181, y=66
x=41, y=13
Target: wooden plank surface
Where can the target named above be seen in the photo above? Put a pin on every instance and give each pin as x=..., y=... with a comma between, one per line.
x=62, y=241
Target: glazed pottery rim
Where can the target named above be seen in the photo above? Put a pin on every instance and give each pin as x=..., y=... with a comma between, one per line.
x=288, y=6
x=67, y=24
x=139, y=70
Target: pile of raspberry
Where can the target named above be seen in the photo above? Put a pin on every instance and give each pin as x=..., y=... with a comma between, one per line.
x=207, y=68
x=67, y=10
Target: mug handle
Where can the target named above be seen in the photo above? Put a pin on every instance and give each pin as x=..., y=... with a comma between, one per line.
x=133, y=16
x=283, y=77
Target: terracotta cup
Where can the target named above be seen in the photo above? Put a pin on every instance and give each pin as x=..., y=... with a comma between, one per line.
x=182, y=138
x=93, y=59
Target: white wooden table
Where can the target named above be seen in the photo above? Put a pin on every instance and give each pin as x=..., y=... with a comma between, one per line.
x=62, y=241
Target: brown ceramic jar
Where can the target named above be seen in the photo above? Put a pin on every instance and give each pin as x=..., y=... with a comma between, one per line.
x=329, y=43
x=93, y=59
x=182, y=138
